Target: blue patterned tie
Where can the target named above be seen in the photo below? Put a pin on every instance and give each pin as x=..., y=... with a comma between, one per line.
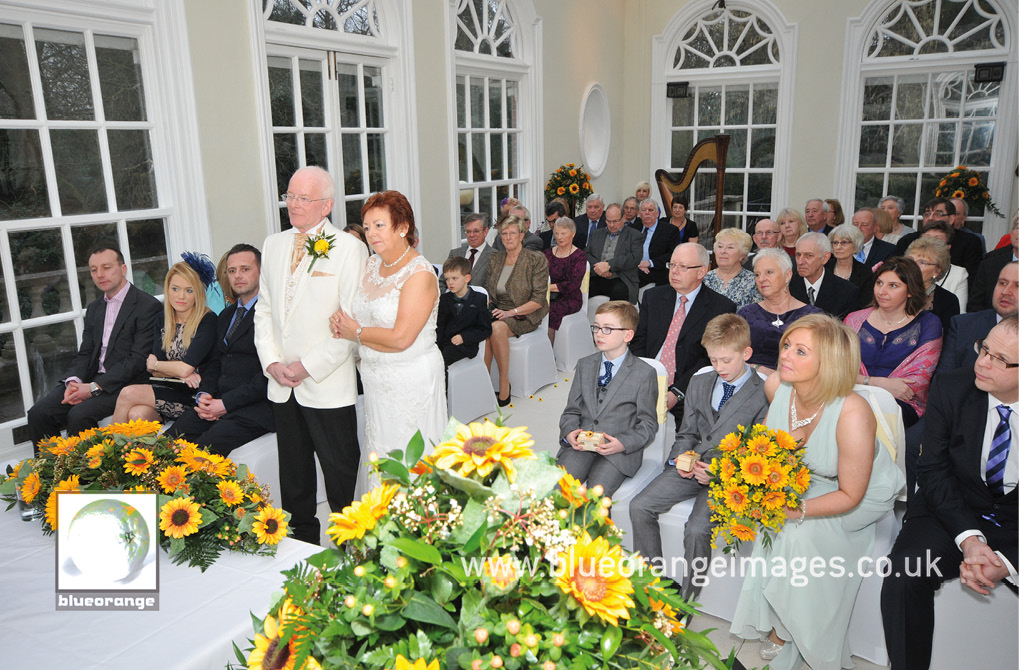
x=999, y=452
x=860, y=256
x=604, y=379
x=727, y=390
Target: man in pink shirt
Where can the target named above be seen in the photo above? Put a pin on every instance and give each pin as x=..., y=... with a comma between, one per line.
x=117, y=337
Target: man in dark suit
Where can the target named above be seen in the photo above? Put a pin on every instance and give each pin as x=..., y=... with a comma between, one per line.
x=592, y=219
x=874, y=250
x=115, y=342
x=531, y=241
x=475, y=250
x=614, y=252
x=813, y=285
x=673, y=318
x=815, y=213
x=959, y=223
x=231, y=405
x=965, y=329
x=730, y=395
x=965, y=251
x=660, y=238
x=631, y=213
x=990, y=268
x=463, y=319
x=963, y=519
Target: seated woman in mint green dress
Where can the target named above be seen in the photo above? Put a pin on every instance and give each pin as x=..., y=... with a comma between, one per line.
x=853, y=483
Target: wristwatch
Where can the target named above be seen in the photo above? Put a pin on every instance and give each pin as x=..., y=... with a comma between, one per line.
x=94, y=389
x=676, y=392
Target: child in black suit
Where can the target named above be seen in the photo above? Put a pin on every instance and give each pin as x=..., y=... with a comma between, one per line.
x=463, y=320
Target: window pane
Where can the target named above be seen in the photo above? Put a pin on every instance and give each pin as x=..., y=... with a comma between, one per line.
x=120, y=78
x=877, y=99
x=869, y=188
x=982, y=99
x=149, y=264
x=976, y=143
x=16, y=101
x=479, y=164
x=902, y=185
x=40, y=275
x=5, y=311
x=353, y=210
x=733, y=191
x=352, y=180
x=495, y=104
x=873, y=146
x=477, y=104
x=11, y=404
x=286, y=159
x=737, y=101
x=80, y=182
x=762, y=148
x=315, y=150
x=23, y=191
x=485, y=203
x=311, y=93
x=682, y=111
x=709, y=106
x=376, y=163
x=906, y=145
x=759, y=193
x=928, y=184
x=281, y=91
x=737, y=156
x=682, y=143
x=511, y=156
x=373, y=97
x=495, y=143
x=461, y=103
x=461, y=151
x=131, y=159
x=63, y=69
x=911, y=97
x=947, y=103
x=940, y=148
x=50, y=349
x=350, y=109
x=511, y=105
x=83, y=240
x=765, y=104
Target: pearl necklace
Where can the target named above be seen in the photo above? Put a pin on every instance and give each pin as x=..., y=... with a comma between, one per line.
x=796, y=424
x=389, y=265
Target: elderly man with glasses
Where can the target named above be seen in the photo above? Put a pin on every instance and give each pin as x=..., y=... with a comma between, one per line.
x=965, y=252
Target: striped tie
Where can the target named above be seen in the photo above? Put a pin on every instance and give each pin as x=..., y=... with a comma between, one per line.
x=999, y=452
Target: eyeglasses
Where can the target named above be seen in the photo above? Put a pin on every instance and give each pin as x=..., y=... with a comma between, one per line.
x=300, y=199
x=605, y=330
x=921, y=262
x=681, y=268
x=932, y=213
x=841, y=243
x=996, y=361
x=767, y=233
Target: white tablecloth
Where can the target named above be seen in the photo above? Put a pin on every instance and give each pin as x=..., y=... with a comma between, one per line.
x=200, y=614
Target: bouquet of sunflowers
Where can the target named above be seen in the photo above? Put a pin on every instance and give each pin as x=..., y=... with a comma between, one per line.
x=480, y=555
x=207, y=502
x=569, y=182
x=759, y=474
x=967, y=185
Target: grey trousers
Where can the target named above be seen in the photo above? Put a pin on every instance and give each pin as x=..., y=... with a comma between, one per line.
x=591, y=468
x=665, y=491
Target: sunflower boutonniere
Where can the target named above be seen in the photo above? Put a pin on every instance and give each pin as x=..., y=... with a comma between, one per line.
x=319, y=246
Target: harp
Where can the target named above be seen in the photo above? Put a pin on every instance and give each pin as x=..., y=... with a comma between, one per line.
x=713, y=149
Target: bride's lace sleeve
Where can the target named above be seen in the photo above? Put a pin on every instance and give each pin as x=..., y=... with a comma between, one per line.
x=419, y=264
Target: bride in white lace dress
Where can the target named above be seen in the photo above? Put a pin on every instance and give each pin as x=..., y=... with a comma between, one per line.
x=392, y=320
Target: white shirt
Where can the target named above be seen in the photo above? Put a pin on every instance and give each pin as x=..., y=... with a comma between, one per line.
x=816, y=285
x=718, y=390
x=467, y=254
x=690, y=297
x=865, y=250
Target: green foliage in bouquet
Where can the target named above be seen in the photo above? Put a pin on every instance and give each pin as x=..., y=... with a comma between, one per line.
x=208, y=504
x=481, y=555
x=967, y=185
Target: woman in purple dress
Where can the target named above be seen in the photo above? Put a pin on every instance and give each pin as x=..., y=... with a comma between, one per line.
x=566, y=267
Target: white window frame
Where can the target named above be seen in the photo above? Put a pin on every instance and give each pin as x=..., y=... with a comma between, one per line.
x=525, y=67
x=171, y=117
x=393, y=51
x=663, y=48
x=857, y=68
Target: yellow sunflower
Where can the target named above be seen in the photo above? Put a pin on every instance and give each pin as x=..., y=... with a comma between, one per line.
x=269, y=654
x=754, y=469
x=801, y=480
x=959, y=193
x=727, y=470
x=778, y=477
x=270, y=526
x=171, y=478
x=569, y=487
x=773, y=500
x=479, y=447
x=59, y=446
x=973, y=181
x=501, y=570
x=729, y=443
x=72, y=483
x=574, y=189
x=361, y=516
x=30, y=487
x=138, y=461
x=199, y=460
x=560, y=191
x=742, y=532
x=230, y=493
x=785, y=440
x=180, y=517
x=136, y=428
x=591, y=574
x=762, y=445
x=16, y=469
x=94, y=455
x=404, y=664
x=573, y=173
x=735, y=498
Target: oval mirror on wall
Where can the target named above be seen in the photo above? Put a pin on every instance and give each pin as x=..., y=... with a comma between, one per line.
x=595, y=129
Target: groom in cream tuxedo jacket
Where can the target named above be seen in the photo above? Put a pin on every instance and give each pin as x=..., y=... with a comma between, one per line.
x=312, y=384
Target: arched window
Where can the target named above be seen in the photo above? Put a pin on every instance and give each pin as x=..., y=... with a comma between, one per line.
x=88, y=99
x=916, y=109
x=336, y=94
x=496, y=98
x=737, y=63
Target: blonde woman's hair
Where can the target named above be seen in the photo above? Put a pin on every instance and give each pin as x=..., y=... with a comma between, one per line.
x=743, y=241
x=837, y=346
x=934, y=250
x=792, y=213
x=885, y=223
x=191, y=323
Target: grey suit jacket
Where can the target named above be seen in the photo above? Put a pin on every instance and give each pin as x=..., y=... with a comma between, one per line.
x=629, y=251
x=703, y=428
x=626, y=410
x=480, y=271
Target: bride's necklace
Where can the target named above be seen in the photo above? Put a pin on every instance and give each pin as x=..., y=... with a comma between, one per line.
x=389, y=265
x=795, y=423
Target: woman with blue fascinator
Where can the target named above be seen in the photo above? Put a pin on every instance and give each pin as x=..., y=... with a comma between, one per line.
x=184, y=343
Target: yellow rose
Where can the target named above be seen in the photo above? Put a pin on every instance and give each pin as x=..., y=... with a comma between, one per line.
x=321, y=247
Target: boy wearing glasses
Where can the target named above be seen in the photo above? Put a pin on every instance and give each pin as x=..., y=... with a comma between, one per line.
x=614, y=394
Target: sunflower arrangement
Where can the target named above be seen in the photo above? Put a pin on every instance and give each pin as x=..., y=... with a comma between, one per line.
x=967, y=185
x=208, y=504
x=480, y=555
x=569, y=182
x=759, y=474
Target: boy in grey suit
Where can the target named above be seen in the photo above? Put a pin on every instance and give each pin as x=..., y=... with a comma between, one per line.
x=716, y=403
x=614, y=393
